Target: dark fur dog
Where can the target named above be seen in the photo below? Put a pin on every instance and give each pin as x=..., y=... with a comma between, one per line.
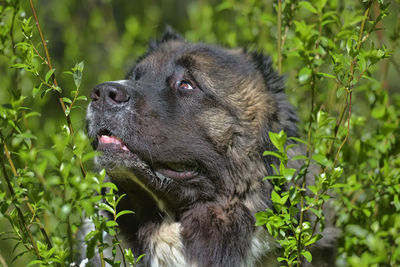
x=183, y=137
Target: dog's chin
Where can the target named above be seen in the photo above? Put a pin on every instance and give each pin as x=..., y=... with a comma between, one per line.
x=135, y=177
x=128, y=170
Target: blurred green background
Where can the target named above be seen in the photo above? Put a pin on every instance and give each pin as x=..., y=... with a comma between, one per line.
x=109, y=35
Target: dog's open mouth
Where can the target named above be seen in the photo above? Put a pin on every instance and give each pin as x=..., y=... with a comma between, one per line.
x=106, y=141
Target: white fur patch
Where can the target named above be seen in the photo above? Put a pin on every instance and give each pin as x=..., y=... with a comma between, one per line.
x=166, y=248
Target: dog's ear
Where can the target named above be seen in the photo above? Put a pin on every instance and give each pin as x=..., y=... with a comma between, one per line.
x=285, y=117
x=275, y=83
x=169, y=34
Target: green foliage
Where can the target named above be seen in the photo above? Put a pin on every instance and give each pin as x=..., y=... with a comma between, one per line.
x=340, y=59
x=45, y=191
x=357, y=153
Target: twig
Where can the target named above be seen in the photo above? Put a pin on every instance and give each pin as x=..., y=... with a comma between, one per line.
x=11, y=189
x=103, y=264
x=37, y=53
x=59, y=96
x=12, y=31
x=348, y=130
x=120, y=249
x=280, y=37
x=12, y=192
x=349, y=91
x=2, y=261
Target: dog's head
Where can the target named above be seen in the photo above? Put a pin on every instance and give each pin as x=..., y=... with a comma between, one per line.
x=183, y=120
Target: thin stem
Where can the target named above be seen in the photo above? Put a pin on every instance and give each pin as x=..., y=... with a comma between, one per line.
x=11, y=189
x=19, y=211
x=309, y=155
x=37, y=52
x=3, y=261
x=103, y=264
x=347, y=132
x=40, y=225
x=120, y=249
x=12, y=31
x=338, y=123
x=349, y=91
x=59, y=96
x=280, y=37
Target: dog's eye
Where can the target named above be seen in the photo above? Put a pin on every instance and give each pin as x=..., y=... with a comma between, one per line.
x=185, y=85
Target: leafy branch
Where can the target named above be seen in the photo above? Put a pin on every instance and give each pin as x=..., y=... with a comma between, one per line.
x=51, y=72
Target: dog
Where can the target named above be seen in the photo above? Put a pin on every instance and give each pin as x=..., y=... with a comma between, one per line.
x=183, y=136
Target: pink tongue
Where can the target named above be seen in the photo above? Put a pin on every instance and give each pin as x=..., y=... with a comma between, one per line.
x=105, y=139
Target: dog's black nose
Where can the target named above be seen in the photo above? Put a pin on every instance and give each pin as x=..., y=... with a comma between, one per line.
x=109, y=95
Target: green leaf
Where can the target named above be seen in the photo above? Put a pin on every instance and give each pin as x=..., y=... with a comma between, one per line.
x=89, y=155
x=35, y=91
x=271, y=177
x=299, y=157
x=396, y=202
x=111, y=224
x=313, y=240
x=321, y=160
x=48, y=74
x=340, y=91
x=58, y=89
x=277, y=199
x=34, y=262
x=123, y=213
x=379, y=111
x=140, y=257
x=271, y=153
x=32, y=114
x=20, y=66
x=307, y=255
x=77, y=75
x=317, y=213
x=67, y=111
x=298, y=140
x=308, y=6
x=26, y=136
x=82, y=98
x=320, y=4
x=79, y=66
x=313, y=188
x=304, y=74
x=224, y=6
x=106, y=207
x=278, y=139
x=67, y=100
x=288, y=173
x=326, y=75
x=119, y=199
x=261, y=218
x=110, y=185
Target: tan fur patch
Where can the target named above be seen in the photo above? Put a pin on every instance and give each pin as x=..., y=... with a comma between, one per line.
x=254, y=103
x=219, y=125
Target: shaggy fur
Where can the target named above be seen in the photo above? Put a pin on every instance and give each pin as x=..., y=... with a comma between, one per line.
x=188, y=127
